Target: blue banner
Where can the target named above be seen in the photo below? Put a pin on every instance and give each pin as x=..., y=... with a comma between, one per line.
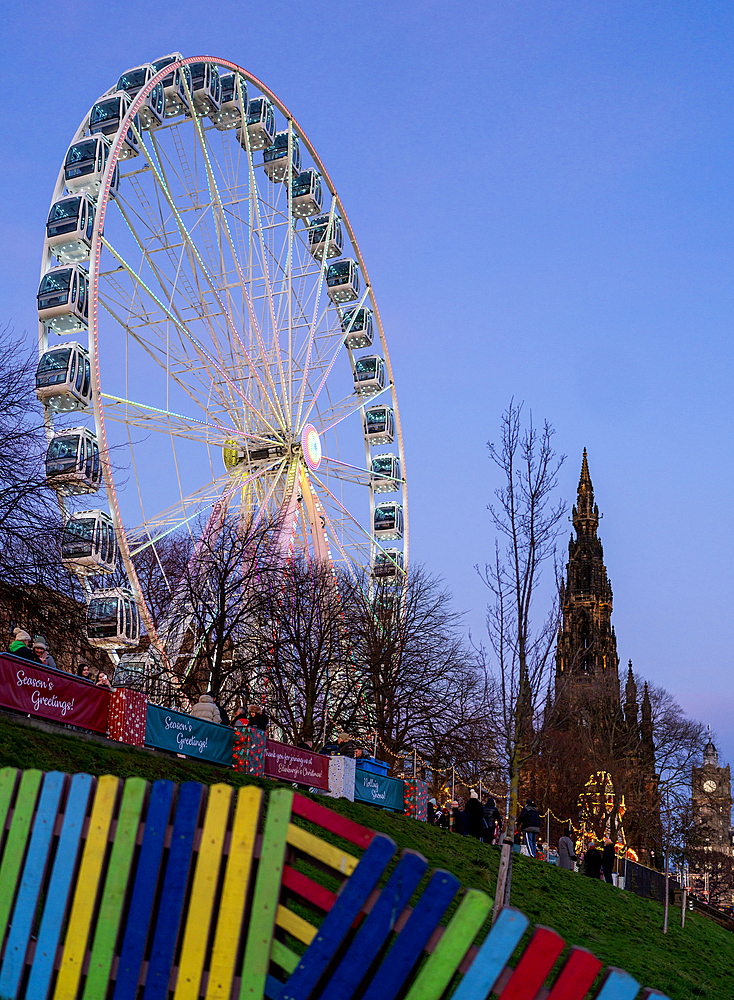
x=378, y=790
x=179, y=733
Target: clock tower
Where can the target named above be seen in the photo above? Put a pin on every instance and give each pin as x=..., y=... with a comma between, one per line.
x=712, y=800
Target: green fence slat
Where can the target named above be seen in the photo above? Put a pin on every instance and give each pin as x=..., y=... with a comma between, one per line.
x=8, y=777
x=113, y=898
x=436, y=974
x=266, y=896
x=17, y=840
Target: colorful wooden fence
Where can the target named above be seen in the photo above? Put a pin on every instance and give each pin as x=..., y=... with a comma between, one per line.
x=125, y=890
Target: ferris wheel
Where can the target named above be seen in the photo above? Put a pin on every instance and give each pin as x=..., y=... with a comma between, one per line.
x=206, y=316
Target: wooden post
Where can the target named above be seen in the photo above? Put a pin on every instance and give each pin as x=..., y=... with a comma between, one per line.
x=415, y=766
x=453, y=781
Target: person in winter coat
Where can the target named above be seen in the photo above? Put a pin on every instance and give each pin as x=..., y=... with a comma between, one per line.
x=20, y=646
x=566, y=853
x=346, y=745
x=474, y=816
x=457, y=818
x=444, y=818
x=257, y=717
x=41, y=650
x=529, y=823
x=492, y=820
x=592, y=861
x=607, y=859
x=431, y=812
x=206, y=710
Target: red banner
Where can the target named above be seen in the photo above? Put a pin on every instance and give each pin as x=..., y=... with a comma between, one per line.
x=52, y=694
x=291, y=764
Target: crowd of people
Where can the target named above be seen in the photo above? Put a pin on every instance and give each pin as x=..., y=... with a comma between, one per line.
x=482, y=820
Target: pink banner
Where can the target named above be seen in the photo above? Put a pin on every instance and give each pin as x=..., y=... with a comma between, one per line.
x=52, y=694
x=291, y=764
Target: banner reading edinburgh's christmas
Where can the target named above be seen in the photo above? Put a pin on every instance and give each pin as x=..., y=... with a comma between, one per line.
x=293, y=764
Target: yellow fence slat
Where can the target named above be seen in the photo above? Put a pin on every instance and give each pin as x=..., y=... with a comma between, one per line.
x=295, y=925
x=87, y=888
x=234, y=892
x=203, y=890
x=319, y=849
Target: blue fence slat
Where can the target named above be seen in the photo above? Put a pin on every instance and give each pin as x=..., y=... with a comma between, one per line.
x=144, y=888
x=618, y=985
x=30, y=883
x=340, y=918
x=376, y=927
x=174, y=890
x=413, y=938
x=492, y=957
x=59, y=887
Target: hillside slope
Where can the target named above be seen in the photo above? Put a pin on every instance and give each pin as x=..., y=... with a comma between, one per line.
x=619, y=927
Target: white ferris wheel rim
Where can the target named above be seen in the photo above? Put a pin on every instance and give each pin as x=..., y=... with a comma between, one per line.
x=93, y=328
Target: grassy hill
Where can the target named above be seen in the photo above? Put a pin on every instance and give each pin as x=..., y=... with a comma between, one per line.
x=619, y=927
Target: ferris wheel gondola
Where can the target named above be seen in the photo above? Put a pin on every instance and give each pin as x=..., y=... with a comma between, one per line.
x=220, y=348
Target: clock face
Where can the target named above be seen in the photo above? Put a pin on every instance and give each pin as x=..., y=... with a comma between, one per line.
x=709, y=786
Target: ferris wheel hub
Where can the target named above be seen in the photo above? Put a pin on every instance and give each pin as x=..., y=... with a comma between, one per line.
x=311, y=444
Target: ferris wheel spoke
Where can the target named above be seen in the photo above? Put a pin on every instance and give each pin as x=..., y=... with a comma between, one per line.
x=166, y=286
x=196, y=257
x=322, y=384
x=268, y=286
x=350, y=517
x=312, y=329
x=203, y=499
x=224, y=226
x=161, y=421
x=187, y=334
x=348, y=473
x=346, y=408
x=157, y=354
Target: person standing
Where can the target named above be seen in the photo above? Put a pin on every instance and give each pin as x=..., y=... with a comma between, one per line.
x=474, y=816
x=529, y=823
x=20, y=646
x=492, y=820
x=592, y=861
x=41, y=650
x=205, y=709
x=346, y=744
x=608, y=855
x=566, y=853
x=457, y=818
x=257, y=717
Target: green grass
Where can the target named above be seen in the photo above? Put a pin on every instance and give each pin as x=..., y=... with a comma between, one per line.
x=618, y=927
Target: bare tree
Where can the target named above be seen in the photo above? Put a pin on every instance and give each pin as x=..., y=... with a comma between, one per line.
x=35, y=585
x=420, y=682
x=527, y=520
x=306, y=669
x=219, y=605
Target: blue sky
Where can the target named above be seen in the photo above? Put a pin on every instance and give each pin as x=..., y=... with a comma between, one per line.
x=543, y=196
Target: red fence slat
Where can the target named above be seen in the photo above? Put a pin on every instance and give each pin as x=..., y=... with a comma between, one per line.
x=329, y=820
